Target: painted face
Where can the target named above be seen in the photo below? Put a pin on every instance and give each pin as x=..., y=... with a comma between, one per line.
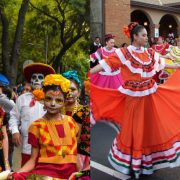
x=71, y=98
x=141, y=38
x=37, y=80
x=53, y=101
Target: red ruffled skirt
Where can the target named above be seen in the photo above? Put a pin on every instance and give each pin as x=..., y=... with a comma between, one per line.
x=149, y=138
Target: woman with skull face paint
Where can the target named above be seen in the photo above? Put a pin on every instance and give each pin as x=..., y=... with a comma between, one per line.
x=53, y=137
x=148, y=114
x=80, y=114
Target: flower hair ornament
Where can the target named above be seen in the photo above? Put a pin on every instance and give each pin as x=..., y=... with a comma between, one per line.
x=50, y=80
x=127, y=29
x=72, y=75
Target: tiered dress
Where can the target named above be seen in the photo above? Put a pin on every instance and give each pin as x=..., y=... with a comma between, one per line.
x=105, y=79
x=149, y=115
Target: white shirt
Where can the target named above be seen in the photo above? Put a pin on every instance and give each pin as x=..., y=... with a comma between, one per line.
x=21, y=117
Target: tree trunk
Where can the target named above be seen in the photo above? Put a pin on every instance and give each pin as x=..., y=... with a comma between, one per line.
x=5, y=41
x=17, y=41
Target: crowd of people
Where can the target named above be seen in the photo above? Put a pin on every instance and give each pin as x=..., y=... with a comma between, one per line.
x=48, y=118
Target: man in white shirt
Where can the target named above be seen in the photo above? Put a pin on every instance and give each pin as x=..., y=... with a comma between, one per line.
x=27, y=109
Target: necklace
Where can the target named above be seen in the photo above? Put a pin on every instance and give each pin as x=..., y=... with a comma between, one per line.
x=74, y=109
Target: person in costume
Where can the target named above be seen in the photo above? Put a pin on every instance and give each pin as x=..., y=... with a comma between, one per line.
x=161, y=47
x=53, y=137
x=174, y=52
x=148, y=114
x=104, y=79
x=72, y=102
x=4, y=162
x=80, y=114
x=27, y=109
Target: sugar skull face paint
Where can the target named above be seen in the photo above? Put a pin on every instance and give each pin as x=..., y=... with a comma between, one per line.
x=74, y=93
x=53, y=101
x=37, y=80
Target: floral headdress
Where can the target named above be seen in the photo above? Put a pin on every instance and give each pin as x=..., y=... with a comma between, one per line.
x=49, y=80
x=127, y=29
x=72, y=75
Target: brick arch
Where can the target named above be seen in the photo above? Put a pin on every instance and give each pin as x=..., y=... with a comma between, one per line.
x=137, y=13
x=165, y=22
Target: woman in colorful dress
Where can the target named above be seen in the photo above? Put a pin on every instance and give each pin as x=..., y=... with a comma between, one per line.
x=4, y=163
x=175, y=52
x=80, y=114
x=161, y=47
x=53, y=137
x=104, y=79
x=148, y=114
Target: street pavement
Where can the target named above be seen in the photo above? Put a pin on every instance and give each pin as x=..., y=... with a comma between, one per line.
x=102, y=136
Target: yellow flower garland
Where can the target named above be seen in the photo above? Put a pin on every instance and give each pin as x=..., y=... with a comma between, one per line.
x=52, y=79
x=57, y=79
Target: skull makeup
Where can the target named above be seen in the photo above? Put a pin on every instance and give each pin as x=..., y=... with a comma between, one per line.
x=37, y=80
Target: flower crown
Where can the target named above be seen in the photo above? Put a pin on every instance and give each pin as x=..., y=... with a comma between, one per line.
x=127, y=29
x=72, y=75
x=49, y=80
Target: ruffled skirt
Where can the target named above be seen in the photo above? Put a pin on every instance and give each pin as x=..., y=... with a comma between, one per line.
x=149, y=138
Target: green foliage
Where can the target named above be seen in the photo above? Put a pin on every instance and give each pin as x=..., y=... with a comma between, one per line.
x=42, y=31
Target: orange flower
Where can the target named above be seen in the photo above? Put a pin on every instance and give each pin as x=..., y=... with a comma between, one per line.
x=38, y=94
x=126, y=31
x=80, y=114
x=87, y=85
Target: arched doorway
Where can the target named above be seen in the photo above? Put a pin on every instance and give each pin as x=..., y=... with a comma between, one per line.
x=143, y=19
x=168, y=24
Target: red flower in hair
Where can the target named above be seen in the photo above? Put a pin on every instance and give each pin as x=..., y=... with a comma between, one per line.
x=126, y=31
x=133, y=25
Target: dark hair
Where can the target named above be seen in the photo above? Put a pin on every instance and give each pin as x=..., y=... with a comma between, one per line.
x=53, y=88
x=134, y=28
x=97, y=37
x=7, y=91
x=107, y=37
x=124, y=44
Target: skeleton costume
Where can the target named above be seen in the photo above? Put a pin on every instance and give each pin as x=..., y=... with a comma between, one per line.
x=27, y=109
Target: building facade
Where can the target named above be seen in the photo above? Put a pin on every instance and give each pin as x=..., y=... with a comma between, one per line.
x=160, y=17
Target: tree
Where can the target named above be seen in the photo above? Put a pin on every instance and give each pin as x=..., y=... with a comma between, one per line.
x=71, y=18
x=10, y=56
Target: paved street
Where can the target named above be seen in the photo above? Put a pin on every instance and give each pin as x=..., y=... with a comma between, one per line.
x=102, y=136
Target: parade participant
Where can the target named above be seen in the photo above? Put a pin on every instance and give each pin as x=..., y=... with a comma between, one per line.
x=148, y=114
x=27, y=109
x=4, y=162
x=53, y=137
x=104, y=79
x=161, y=47
x=175, y=52
x=80, y=114
x=72, y=104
